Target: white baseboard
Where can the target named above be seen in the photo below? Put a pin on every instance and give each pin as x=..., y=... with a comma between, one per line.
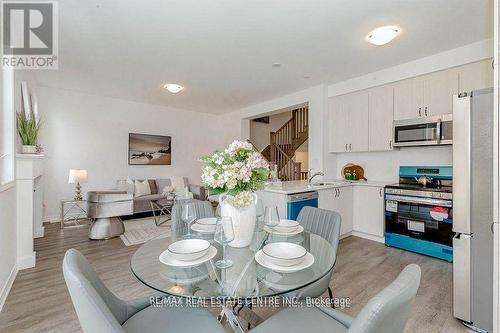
x=368, y=236
x=26, y=261
x=51, y=219
x=4, y=292
x=347, y=234
x=39, y=232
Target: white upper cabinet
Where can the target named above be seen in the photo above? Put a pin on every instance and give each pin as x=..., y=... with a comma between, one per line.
x=425, y=95
x=349, y=122
x=439, y=89
x=357, y=107
x=478, y=75
x=380, y=116
x=338, y=124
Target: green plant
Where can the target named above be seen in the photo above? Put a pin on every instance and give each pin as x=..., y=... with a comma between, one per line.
x=28, y=128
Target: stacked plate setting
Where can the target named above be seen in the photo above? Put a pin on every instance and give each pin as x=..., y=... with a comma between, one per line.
x=285, y=228
x=205, y=225
x=188, y=253
x=284, y=257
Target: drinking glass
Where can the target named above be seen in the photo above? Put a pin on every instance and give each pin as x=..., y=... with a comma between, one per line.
x=224, y=234
x=259, y=213
x=188, y=215
x=271, y=217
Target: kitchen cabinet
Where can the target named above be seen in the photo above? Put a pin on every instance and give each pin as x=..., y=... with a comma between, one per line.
x=368, y=211
x=349, y=122
x=380, y=117
x=425, y=95
x=474, y=76
x=338, y=124
x=340, y=200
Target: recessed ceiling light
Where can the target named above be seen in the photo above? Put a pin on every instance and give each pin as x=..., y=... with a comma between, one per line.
x=276, y=64
x=173, y=87
x=383, y=35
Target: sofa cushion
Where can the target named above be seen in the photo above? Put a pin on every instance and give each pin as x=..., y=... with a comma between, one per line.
x=161, y=184
x=142, y=188
x=152, y=186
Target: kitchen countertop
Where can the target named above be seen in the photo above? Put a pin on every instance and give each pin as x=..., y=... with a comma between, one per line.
x=298, y=186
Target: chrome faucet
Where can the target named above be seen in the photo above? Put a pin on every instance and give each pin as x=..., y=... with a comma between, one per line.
x=314, y=175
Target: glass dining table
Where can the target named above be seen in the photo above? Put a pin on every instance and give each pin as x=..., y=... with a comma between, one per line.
x=245, y=281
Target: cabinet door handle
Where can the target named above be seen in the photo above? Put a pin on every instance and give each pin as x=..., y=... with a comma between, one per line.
x=346, y=147
x=350, y=149
x=425, y=110
x=390, y=144
x=380, y=192
x=420, y=112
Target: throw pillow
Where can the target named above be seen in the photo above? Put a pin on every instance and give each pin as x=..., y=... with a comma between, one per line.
x=167, y=190
x=152, y=186
x=142, y=188
x=178, y=183
x=129, y=186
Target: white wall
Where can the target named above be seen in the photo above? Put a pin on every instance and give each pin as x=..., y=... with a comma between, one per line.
x=384, y=166
x=7, y=241
x=90, y=132
x=259, y=132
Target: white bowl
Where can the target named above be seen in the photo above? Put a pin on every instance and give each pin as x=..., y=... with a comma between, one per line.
x=284, y=254
x=207, y=221
x=286, y=226
x=189, y=249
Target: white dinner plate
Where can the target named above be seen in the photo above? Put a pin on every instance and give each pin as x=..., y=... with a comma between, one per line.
x=207, y=221
x=260, y=257
x=295, y=232
x=167, y=259
x=203, y=228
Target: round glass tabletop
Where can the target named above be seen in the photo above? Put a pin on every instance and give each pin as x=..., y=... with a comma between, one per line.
x=245, y=279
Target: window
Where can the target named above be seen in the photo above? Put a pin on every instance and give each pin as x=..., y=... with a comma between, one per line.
x=7, y=128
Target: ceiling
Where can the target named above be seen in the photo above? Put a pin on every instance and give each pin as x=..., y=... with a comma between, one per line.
x=222, y=51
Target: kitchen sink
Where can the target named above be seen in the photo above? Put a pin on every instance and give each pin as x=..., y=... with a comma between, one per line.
x=323, y=184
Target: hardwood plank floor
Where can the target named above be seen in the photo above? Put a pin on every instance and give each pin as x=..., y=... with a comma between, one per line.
x=39, y=301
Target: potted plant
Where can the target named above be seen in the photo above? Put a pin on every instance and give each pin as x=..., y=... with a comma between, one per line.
x=28, y=127
x=236, y=173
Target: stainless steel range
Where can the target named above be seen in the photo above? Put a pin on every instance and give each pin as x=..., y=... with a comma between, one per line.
x=419, y=211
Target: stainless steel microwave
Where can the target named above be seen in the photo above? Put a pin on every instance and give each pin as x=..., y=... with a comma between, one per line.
x=426, y=131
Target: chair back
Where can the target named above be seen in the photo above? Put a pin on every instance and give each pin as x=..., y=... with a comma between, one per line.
x=202, y=208
x=388, y=311
x=325, y=223
x=98, y=309
x=322, y=222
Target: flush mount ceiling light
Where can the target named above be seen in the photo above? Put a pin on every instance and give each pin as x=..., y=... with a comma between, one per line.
x=173, y=87
x=383, y=35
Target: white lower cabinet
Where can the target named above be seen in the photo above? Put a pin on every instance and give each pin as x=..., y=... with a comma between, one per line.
x=339, y=199
x=368, y=206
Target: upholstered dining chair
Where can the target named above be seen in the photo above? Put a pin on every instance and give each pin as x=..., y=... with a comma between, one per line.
x=387, y=312
x=202, y=208
x=99, y=310
x=325, y=223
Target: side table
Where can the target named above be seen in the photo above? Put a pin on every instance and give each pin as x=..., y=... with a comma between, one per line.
x=73, y=213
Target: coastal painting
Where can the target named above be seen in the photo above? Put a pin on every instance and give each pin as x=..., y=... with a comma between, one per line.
x=145, y=149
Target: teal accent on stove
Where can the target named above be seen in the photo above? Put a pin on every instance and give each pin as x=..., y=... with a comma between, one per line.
x=419, y=246
x=434, y=172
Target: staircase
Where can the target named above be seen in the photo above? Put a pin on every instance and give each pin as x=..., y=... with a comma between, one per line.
x=285, y=141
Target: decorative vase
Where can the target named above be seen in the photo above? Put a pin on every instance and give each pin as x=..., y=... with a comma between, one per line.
x=243, y=218
x=26, y=149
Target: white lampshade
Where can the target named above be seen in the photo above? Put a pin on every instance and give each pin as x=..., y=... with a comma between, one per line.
x=77, y=176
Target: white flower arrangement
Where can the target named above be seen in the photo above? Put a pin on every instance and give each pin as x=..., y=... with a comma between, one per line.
x=237, y=171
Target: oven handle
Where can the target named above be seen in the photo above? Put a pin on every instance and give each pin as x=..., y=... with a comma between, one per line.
x=425, y=201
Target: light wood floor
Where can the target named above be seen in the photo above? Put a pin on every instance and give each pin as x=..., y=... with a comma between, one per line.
x=39, y=301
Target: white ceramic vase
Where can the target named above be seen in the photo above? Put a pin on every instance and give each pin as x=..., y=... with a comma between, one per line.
x=26, y=149
x=244, y=220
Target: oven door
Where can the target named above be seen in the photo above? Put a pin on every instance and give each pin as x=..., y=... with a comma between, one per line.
x=436, y=130
x=420, y=218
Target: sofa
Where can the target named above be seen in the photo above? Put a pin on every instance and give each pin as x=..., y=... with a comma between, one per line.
x=142, y=203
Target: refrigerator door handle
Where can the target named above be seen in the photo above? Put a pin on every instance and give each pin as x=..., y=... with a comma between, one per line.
x=461, y=277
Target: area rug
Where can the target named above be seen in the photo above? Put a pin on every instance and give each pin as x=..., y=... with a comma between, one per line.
x=138, y=231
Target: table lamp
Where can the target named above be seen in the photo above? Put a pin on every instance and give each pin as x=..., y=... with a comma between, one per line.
x=77, y=177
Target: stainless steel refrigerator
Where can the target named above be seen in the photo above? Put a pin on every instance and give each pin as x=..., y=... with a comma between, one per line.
x=473, y=209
